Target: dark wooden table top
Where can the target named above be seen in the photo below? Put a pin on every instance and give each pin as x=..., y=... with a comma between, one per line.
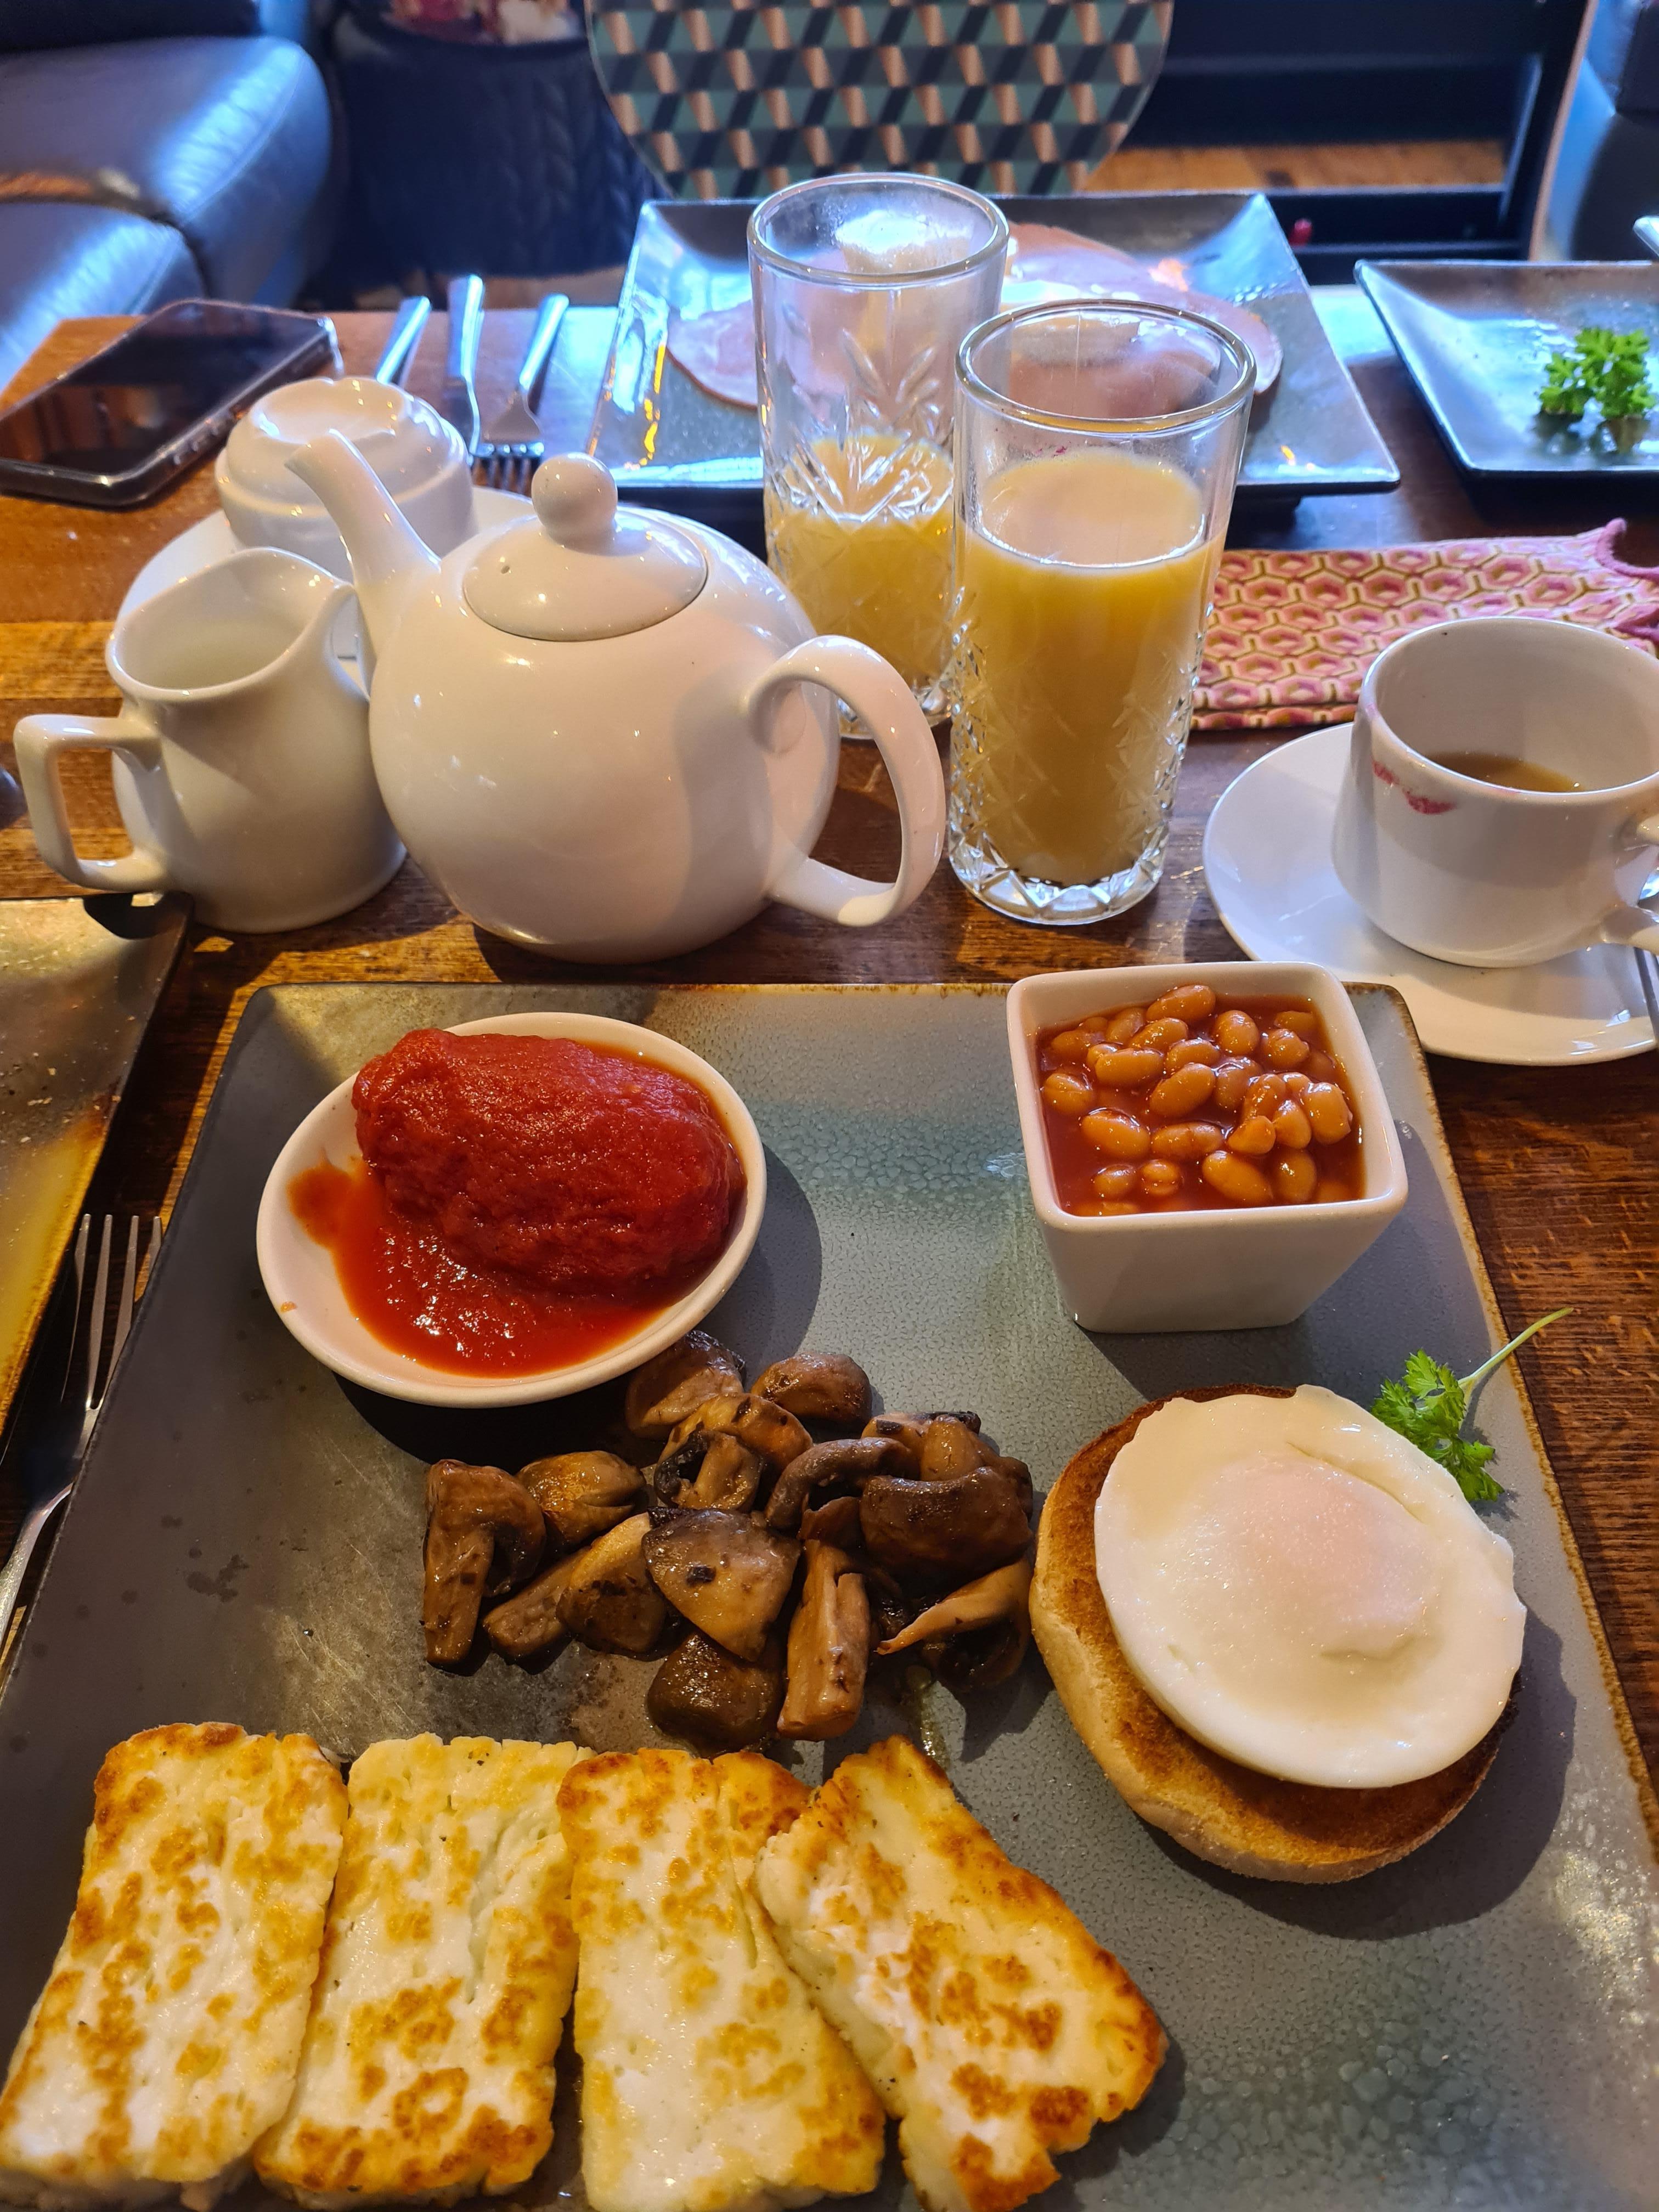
x=1560, y=1167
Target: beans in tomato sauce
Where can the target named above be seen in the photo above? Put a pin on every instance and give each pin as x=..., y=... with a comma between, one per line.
x=1198, y=1101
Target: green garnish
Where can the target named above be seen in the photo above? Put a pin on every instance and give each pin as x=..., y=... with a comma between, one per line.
x=1604, y=367
x=1428, y=1407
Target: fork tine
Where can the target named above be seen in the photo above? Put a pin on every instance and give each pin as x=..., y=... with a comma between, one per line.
x=129, y=1296
x=96, y=1313
x=151, y=1248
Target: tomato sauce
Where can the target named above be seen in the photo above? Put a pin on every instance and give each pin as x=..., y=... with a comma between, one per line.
x=522, y=1203
x=412, y=1294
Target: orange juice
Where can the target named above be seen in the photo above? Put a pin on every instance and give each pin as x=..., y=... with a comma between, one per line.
x=861, y=535
x=1079, y=611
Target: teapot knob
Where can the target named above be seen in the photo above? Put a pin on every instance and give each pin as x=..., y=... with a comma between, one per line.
x=575, y=500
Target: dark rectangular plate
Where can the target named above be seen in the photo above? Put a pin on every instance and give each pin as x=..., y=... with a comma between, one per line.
x=79, y=981
x=671, y=443
x=1474, y=337
x=1474, y=2026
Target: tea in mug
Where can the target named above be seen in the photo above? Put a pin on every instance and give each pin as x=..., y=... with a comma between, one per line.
x=1502, y=769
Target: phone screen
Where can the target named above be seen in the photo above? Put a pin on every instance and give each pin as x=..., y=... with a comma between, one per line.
x=110, y=415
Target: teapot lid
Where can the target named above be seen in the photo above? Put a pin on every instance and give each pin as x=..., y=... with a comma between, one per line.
x=581, y=567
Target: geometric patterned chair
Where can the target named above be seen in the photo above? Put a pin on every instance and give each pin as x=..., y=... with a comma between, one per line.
x=729, y=101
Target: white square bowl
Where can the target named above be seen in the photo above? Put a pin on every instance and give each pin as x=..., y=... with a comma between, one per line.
x=1243, y=1267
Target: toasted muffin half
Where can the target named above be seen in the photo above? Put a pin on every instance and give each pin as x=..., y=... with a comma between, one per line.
x=1248, y=1822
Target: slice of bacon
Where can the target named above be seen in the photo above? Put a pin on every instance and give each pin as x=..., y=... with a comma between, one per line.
x=717, y=351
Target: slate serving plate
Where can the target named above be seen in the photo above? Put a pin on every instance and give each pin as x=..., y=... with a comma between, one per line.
x=1474, y=337
x=79, y=981
x=1472, y=2027
x=670, y=444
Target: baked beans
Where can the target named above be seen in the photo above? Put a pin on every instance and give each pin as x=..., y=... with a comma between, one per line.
x=1194, y=1102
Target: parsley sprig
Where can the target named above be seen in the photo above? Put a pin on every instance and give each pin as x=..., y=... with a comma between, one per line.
x=1428, y=1407
x=1602, y=368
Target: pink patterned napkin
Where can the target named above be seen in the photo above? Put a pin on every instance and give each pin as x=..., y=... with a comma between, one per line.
x=1293, y=633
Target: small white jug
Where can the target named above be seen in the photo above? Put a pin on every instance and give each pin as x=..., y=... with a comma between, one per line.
x=242, y=765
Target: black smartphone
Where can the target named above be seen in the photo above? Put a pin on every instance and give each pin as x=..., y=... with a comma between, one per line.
x=122, y=426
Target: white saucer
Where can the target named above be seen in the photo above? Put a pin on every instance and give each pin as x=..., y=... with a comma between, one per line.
x=211, y=540
x=1266, y=857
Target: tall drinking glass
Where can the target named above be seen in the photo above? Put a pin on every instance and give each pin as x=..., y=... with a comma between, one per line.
x=1097, y=446
x=865, y=286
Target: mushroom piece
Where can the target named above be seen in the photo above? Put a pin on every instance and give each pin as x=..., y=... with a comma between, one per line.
x=977, y=1636
x=483, y=1532
x=729, y=1576
x=717, y=1702
x=583, y=1493
x=755, y=1421
x=610, y=1602
x=944, y=1532
x=529, y=1622
x=709, y=1472
x=835, y=1522
x=829, y=1649
x=819, y=1386
x=849, y=1459
x=909, y=1429
x=950, y=1448
x=662, y=1393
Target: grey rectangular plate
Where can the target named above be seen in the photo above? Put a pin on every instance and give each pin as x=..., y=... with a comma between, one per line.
x=79, y=981
x=1474, y=2026
x=1474, y=337
x=670, y=441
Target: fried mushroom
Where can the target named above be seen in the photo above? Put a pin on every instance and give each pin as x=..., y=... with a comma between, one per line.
x=766, y=1429
x=728, y=1575
x=819, y=1386
x=528, y=1623
x=944, y=1532
x=716, y=1702
x=709, y=1474
x=846, y=1460
x=668, y=1389
x=583, y=1493
x=610, y=1602
x=909, y=1430
x=829, y=1649
x=977, y=1636
x=484, y=1531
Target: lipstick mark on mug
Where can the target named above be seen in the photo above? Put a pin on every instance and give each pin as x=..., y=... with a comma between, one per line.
x=1414, y=799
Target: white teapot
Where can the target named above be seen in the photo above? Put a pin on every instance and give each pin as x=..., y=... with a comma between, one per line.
x=609, y=734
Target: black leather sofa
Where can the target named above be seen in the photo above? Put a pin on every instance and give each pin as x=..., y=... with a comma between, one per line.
x=154, y=151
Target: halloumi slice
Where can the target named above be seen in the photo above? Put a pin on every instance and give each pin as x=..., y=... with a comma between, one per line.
x=428, y=2067
x=710, y=2082
x=166, y=2040
x=994, y=2027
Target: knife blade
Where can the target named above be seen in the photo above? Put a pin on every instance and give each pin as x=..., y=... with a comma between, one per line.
x=458, y=403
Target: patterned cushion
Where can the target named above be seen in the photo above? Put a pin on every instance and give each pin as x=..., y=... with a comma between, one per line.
x=730, y=101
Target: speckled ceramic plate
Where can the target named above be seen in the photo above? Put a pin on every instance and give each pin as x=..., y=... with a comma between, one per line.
x=1472, y=2027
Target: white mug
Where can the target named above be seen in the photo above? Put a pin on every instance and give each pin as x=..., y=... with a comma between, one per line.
x=242, y=767
x=1477, y=872
x=419, y=456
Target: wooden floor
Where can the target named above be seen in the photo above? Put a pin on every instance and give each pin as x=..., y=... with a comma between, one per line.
x=1288, y=168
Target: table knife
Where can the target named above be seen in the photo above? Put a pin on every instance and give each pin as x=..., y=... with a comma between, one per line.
x=460, y=402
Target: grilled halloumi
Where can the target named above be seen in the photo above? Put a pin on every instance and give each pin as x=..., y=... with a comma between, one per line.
x=428, y=2066
x=166, y=2039
x=710, y=2082
x=994, y=2027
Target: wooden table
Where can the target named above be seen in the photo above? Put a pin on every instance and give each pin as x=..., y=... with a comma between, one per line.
x=1560, y=1167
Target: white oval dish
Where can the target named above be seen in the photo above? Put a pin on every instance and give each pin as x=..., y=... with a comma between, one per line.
x=301, y=1282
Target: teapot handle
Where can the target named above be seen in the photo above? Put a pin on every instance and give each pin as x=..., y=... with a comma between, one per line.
x=881, y=699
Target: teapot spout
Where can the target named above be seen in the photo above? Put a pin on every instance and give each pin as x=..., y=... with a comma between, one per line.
x=389, y=561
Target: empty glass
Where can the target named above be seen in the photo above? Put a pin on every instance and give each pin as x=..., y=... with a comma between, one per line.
x=865, y=286
x=1097, y=446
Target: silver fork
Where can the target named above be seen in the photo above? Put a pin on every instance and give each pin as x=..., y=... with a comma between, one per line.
x=458, y=401
x=512, y=448
x=51, y=1456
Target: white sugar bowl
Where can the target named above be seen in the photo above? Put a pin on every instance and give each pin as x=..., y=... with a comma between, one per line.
x=419, y=458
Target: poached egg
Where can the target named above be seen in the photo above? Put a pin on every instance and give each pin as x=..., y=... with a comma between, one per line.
x=1305, y=1591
